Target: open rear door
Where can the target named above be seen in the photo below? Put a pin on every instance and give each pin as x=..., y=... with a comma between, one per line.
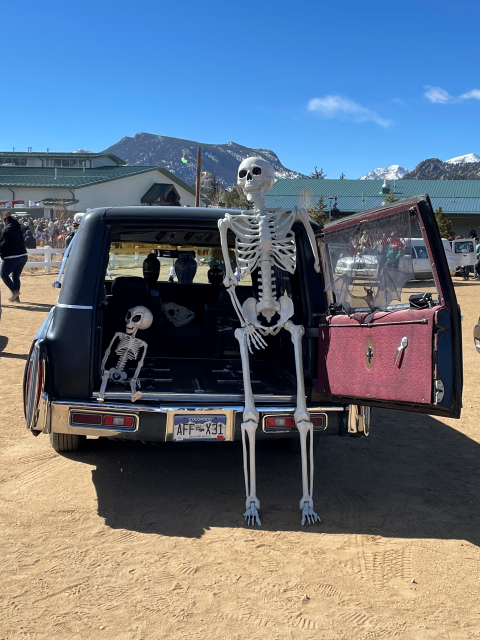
x=389, y=340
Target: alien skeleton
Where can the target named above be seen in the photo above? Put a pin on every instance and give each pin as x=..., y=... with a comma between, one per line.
x=264, y=240
x=128, y=348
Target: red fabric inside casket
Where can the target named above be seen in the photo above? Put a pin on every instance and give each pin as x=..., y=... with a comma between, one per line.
x=343, y=366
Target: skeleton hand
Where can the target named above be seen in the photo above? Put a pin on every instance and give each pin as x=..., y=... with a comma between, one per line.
x=230, y=281
x=253, y=337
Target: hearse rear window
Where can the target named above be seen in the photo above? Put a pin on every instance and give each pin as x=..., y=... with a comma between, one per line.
x=183, y=256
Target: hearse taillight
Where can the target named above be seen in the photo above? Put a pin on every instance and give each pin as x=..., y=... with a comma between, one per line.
x=80, y=418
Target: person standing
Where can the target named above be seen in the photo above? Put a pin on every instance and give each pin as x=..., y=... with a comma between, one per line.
x=14, y=255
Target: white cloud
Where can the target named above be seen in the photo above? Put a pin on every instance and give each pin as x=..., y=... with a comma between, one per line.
x=345, y=109
x=474, y=93
x=438, y=95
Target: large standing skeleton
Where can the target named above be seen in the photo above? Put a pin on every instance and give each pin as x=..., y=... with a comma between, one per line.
x=128, y=348
x=264, y=240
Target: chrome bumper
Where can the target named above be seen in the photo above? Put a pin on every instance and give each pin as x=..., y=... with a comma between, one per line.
x=150, y=423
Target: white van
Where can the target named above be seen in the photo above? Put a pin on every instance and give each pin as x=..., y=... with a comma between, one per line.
x=460, y=253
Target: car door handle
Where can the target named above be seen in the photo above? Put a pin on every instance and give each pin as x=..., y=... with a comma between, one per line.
x=400, y=350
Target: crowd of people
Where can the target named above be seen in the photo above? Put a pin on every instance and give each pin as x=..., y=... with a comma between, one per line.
x=52, y=233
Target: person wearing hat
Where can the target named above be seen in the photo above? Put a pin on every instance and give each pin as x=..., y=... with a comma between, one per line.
x=13, y=253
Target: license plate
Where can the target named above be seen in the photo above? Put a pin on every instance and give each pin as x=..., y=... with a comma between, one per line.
x=192, y=426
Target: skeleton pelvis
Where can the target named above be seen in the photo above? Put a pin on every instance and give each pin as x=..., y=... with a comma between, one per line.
x=252, y=309
x=117, y=376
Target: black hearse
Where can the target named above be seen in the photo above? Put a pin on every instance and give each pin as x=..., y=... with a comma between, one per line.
x=370, y=340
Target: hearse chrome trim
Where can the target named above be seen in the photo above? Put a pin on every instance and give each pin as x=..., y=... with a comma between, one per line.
x=72, y=306
x=187, y=397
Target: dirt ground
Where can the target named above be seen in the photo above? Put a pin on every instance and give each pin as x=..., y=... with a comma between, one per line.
x=133, y=541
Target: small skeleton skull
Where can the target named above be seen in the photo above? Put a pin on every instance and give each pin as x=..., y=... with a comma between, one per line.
x=255, y=176
x=138, y=318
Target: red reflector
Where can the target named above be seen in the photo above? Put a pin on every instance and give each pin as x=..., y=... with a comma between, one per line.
x=87, y=418
x=40, y=381
x=317, y=421
x=280, y=422
x=118, y=421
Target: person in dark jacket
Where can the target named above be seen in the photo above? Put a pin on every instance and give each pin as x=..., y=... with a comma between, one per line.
x=13, y=253
x=30, y=241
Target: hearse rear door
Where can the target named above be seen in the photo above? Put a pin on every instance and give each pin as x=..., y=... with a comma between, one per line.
x=387, y=339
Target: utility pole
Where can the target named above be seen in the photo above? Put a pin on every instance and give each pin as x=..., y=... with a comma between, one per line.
x=199, y=168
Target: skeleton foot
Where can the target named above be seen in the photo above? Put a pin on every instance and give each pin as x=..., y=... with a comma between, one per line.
x=251, y=514
x=309, y=516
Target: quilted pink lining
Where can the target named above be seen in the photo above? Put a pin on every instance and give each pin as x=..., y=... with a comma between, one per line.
x=342, y=365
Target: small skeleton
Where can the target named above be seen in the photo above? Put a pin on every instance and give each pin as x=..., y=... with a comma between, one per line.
x=128, y=348
x=264, y=240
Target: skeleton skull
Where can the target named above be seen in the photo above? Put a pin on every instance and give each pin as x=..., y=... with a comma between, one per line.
x=255, y=176
x=138, y=318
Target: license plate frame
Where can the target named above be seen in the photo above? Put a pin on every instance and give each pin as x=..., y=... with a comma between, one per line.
x=215, y=426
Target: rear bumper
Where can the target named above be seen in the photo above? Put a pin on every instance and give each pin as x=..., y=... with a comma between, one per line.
x=150, y=423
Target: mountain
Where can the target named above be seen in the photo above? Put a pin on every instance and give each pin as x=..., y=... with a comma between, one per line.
x=468, y=157
x=435, y=169
x=393, y=172
x=221, y=160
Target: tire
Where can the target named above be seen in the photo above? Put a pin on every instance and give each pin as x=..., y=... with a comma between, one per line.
x=66, y=441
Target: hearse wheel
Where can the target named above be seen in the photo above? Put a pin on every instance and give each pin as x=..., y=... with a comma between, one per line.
x=66, y=441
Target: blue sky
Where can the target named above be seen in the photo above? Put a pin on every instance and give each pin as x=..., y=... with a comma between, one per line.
x=347, y=86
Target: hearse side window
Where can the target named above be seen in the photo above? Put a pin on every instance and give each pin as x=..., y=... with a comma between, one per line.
x=370, y=265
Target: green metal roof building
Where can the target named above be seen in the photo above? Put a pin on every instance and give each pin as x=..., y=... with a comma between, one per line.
x=460, y=199
x=81, y=181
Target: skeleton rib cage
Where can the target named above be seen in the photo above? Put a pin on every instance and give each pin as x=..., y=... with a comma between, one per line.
x=128, y=348
x=264, y=242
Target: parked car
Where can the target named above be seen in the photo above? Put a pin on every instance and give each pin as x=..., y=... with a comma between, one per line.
x=408, y=359
x=365, y=263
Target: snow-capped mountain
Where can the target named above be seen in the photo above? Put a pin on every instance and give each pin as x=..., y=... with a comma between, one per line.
x=221, y=160
x=468, y=157
x=393, y=172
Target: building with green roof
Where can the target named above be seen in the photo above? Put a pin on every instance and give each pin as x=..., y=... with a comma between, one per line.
x=48, y=184
x=460, y=199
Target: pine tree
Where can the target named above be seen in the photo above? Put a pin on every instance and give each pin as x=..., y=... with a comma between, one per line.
x=319, y=213
x=319, y=174
x=391, y=197
x=342, y=176
x=235, y=199
x=444, y=223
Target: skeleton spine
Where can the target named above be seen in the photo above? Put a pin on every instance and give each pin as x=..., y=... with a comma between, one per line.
x=266, y=286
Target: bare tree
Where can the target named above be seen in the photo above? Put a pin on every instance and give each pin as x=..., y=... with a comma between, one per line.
x=305, y=196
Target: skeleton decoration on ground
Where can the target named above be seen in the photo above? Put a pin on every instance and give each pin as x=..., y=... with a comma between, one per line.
x=128, y=348
x=262, y=241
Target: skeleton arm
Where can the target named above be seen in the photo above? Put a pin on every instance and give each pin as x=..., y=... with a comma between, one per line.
x=224, y=225
x=109, y=348
x=301, y=214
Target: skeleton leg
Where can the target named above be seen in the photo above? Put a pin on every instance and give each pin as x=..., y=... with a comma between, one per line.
x=105, y=373
x=249, y=427
x=304, y=426
x=135, y=382
x=101, y=395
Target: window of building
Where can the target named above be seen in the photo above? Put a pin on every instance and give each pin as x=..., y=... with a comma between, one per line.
x=17, y=162
x=65, y=163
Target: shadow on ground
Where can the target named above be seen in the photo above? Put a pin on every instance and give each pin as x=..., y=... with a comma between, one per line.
x=414, y=477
